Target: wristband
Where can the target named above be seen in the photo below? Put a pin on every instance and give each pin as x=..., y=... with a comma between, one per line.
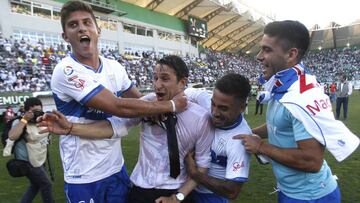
x=173, y=106
x=23, y=120
x=71, y=127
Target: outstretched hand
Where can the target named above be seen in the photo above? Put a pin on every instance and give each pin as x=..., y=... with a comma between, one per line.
x=54, y=122
x=252, y=143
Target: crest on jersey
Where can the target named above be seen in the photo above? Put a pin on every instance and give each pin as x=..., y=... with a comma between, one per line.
x=68, y=70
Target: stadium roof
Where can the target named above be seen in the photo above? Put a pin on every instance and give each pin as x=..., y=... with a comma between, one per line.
x=235, y=28
x=335, y=36
x=229, y=28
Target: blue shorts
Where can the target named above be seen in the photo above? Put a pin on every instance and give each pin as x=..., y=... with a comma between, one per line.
x=333, y=197
x=208, y=198
x=114, y=188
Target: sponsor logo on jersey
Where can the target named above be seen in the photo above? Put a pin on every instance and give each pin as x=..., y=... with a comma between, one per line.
x=72, y=78
x=77, y=82
x=80, y=84
x=237, y=166
x=68, y=70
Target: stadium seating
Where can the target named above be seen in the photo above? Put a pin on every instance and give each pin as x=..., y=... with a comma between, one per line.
x=28, y=67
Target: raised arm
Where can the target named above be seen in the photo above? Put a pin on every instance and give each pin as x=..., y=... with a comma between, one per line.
x=17, y=129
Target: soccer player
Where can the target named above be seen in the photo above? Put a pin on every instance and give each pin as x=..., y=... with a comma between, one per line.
x=299, y=120
x=152, y=177
x=86, y=87
x=230, y=162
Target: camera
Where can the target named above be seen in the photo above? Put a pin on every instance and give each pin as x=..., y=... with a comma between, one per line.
x=36, y=113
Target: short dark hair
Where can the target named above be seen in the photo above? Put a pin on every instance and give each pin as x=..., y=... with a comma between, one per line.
x=73, y=6
x=294, y=33
x=235, y=85
x=177, y=64
x=32, y=101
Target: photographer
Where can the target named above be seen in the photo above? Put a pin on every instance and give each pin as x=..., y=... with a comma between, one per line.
x=30, y=152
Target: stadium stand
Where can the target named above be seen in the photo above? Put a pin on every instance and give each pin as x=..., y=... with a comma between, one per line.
x=28, y=67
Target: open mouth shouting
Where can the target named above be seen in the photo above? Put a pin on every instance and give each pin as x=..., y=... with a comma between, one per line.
x=85, y=40
x=160, y=96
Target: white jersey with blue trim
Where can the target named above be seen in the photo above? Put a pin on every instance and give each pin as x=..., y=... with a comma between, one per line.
x=73, y=85
x=229, y=159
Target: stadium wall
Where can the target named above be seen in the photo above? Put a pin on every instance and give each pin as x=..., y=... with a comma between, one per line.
x=147, y=16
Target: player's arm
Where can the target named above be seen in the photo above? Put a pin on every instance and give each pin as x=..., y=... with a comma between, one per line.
x=190, y=184
x=237, y=171
x=185, y=189
x=201, y=97
x=97, y=130
x=132, y=92
x=308, y=156
x=88, y=91
x=57, y=123
x=129, y=107
x=226, y=188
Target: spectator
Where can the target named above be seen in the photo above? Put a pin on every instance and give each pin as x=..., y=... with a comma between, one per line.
x=31, y=148
x=343, y=92
x=9, y=114
x=332, y=92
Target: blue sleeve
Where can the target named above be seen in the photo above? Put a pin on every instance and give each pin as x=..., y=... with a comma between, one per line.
x=300, y=132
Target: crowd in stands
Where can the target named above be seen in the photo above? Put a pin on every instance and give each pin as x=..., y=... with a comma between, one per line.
x=25, y=66
x=327, y=64
x=28, y=67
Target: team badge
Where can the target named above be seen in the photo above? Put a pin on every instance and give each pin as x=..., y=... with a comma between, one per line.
x=68, y=70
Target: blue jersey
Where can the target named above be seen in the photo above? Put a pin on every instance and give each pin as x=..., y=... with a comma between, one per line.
x=284, y=131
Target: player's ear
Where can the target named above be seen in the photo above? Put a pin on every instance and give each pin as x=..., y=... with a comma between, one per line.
x=292, y=54
x=65, y=37
x=183, y=82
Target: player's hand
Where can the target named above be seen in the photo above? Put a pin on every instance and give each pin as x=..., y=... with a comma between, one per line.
x=171, y=199
x=180, y=101
x=28, y=115
x=190, y=164
x=54, y=122
x=252, y=143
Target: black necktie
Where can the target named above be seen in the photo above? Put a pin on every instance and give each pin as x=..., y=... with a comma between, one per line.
x=173, y=148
